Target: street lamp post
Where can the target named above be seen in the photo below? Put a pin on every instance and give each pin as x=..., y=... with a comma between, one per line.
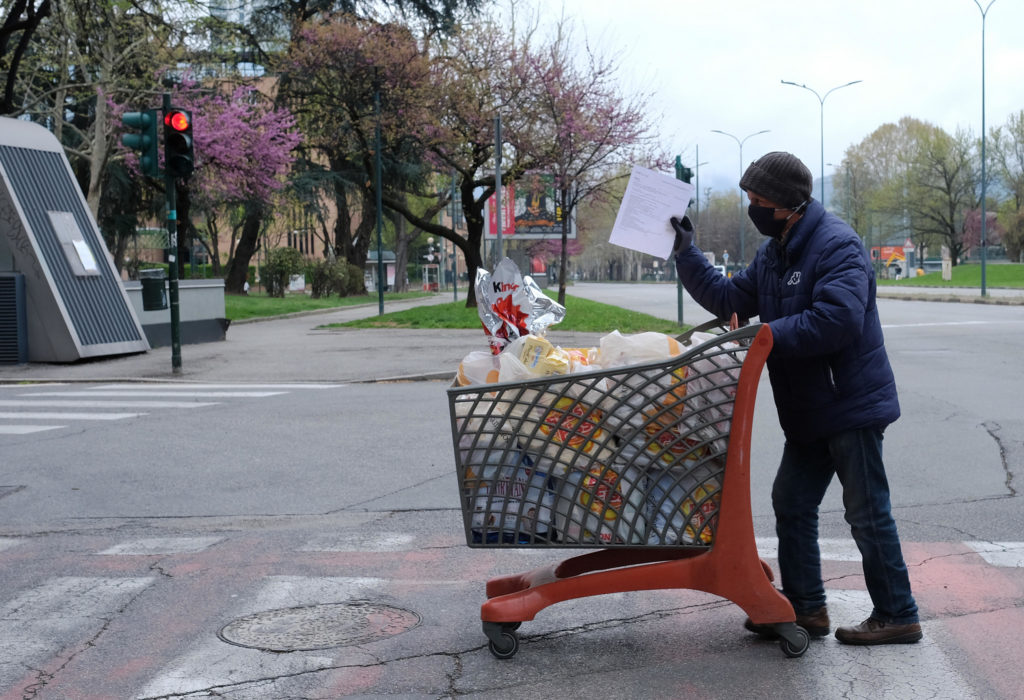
x=821, y=103
x=696, y=191
x=984, y=251
x=740, y=142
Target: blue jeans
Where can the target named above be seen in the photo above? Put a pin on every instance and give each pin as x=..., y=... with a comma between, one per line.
x=804, y=475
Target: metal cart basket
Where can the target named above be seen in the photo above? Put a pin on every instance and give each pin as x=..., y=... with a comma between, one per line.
x=648, y=462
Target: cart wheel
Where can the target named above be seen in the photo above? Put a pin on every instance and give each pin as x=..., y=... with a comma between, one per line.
x=511, y=626
x=509, y=646
x=797, y=643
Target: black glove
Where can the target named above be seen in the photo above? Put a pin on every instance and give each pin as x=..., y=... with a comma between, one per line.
x=684, y=234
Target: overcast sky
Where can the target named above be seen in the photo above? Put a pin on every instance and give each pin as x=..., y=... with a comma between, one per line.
x=717, y=64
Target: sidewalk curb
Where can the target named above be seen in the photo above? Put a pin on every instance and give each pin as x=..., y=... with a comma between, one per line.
x=900, y=295
x=314, y=312
x=447, y=375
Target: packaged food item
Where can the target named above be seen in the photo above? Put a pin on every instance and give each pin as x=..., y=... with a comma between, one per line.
x=511, y=306
x=669, y=440
x=561, y=431
x=601, y=505
x=535, y=356
x=540, y=356
x=684, y=508
x=510, y=501
x=581, y=359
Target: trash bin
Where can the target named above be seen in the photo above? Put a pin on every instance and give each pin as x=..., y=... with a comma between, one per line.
x=154, y=296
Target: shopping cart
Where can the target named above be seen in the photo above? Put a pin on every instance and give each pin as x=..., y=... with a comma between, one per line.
x=648, y=462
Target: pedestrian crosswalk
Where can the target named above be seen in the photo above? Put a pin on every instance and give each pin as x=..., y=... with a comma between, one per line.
x=25, y=410
x=121, y=586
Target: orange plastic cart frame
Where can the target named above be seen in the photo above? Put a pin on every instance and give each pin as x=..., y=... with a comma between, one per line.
x=731, y=568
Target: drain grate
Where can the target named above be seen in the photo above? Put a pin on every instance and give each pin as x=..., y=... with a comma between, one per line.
x=323, y=626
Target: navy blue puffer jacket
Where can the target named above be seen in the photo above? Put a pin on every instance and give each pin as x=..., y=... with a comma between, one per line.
x=828, y=366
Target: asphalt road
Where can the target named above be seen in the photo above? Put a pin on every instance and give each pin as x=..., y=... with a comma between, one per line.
x=171, y=538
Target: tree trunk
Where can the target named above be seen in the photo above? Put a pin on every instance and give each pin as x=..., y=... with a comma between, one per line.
x=214, y=246
x=401, y=251
x=248, y=244
x=564, y=258
x=98, y=158
x=359, y=244
x=473, y=211
x=343, y=221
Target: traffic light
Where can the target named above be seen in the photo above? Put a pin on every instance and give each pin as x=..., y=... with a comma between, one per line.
x=179, y=158
x=682, y=172
x=145, y=141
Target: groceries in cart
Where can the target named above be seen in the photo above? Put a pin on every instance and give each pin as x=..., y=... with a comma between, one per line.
x=613, y=444
x=602, y=505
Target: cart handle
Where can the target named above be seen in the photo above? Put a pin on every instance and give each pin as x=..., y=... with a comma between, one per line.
x=715, y=324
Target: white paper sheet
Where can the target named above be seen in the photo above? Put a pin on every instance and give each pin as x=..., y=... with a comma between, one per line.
x=651, y=198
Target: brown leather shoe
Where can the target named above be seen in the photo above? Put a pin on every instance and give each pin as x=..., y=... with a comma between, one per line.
x=816, y=624
x=873, y=631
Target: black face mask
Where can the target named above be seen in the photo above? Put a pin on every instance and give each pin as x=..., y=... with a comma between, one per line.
x=765, y=222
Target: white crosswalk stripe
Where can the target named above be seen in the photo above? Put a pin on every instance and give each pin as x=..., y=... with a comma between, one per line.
x=831, y=549
x=37, y=623
x=208, y=387
x=119, y=401
x=66, y=416
x=135, y=394
x=163, y=545
x=935, y=675
x=1003, y=554
x=59, y=403
x=26, y=429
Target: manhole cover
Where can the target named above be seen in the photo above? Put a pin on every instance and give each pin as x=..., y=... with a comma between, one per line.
x=312, y=627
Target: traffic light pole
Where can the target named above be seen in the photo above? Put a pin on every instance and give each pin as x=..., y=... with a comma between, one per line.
x=172, y=259
x=682, y=173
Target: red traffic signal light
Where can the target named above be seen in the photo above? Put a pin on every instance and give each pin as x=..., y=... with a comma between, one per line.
x=179, y=158
x=179, y=121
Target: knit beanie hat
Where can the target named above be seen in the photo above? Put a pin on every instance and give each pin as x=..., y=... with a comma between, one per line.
x=780, y=177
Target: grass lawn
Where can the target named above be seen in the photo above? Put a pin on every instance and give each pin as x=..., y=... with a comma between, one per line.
x=239, y=306
x=1007, y=275
x=581, y=315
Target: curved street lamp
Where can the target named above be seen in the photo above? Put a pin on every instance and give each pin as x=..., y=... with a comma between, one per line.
x=821, y=102
x=740, y=143
x=984, y=252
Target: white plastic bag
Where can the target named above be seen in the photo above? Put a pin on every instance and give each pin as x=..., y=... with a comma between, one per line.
x=478, y=367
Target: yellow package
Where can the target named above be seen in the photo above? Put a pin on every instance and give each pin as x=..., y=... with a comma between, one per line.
x=542, y=358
